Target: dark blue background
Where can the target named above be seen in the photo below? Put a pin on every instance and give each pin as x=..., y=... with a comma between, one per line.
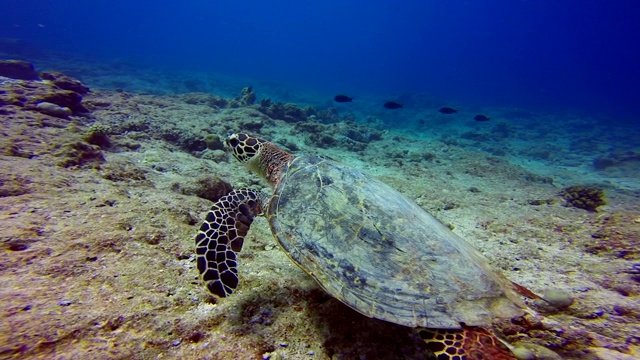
x=544, y=54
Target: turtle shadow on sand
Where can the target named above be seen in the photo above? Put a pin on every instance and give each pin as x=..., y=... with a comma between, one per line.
x=318, y=322
x=353, y=335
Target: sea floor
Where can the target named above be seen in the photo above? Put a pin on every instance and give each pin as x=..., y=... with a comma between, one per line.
x=99, y=212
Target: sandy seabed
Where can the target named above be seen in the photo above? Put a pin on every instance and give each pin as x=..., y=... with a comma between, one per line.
x=97, y=239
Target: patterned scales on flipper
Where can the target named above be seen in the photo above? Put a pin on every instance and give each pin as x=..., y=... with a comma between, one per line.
x=468, y=343
x=221, y=237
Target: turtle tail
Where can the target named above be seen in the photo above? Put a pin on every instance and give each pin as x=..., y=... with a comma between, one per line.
x=468, y=343
x=221, y=237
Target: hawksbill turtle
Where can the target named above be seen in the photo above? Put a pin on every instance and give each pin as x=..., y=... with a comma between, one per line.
x=365, y=244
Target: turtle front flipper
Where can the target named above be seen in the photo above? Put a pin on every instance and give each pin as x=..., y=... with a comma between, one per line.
x=221, y=238
x=469, y=343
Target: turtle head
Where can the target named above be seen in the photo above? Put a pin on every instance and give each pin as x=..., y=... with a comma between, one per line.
x=244, y=147
x=259, y=155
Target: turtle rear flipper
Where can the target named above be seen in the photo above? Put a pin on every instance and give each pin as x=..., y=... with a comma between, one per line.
x=470, y=342
x=221, y=238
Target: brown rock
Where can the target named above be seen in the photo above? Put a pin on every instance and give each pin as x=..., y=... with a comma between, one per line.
x=63, y=98
x=18, y=69
x=29, y=94
x=54, y=110
x=66, y=82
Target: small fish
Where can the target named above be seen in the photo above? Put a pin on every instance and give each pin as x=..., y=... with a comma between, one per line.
x=481, y=118
x=448, y=110
x=342, y=98
x=392, y=105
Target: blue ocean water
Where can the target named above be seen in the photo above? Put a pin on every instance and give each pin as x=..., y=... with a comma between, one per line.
x=543, y=55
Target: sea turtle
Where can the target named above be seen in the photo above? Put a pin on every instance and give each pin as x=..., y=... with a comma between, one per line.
x=365, y=244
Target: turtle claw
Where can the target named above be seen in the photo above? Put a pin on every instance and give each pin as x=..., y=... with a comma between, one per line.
x=221, y=238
